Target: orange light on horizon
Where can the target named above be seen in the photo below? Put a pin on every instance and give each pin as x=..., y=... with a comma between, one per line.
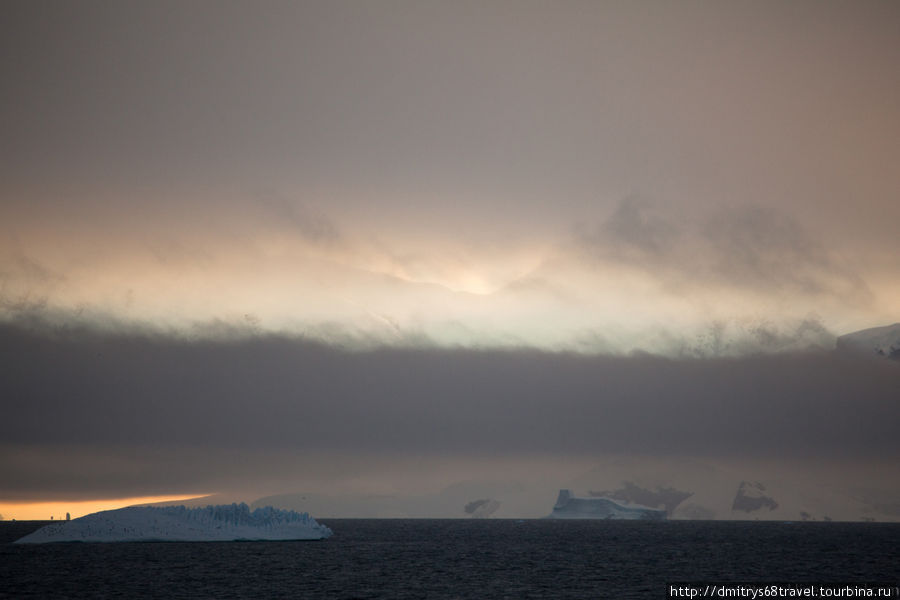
x=57, y=509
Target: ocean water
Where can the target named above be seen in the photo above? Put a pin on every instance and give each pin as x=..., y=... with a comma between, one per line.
x=443, y=559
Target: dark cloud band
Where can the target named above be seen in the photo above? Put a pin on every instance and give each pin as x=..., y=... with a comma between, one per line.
x=143, y=396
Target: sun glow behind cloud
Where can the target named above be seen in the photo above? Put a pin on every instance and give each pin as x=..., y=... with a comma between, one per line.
x=628, y=284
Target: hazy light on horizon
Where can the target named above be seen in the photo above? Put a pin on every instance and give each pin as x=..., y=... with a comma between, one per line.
x=640, y=279
x=42, y=511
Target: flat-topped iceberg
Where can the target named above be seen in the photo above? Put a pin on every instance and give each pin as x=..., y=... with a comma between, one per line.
x=569, y=507
x=180, y=524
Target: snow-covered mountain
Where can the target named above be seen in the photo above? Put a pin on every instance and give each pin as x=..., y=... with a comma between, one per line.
x=877, y=341
x=181, y=524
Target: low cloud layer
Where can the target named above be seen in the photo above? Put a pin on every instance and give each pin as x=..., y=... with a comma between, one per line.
x=88, y=412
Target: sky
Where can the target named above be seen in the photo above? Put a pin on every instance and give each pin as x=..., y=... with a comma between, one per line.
x=453, y=211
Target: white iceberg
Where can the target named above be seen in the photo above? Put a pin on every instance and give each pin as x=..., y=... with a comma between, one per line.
x=569, y=507
x=179, y=524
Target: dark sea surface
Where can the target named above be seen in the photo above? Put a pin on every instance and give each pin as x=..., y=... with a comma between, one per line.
x=436, y=558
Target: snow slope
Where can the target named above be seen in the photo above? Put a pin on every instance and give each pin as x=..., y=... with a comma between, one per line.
x=181, y=524
x=878, y=341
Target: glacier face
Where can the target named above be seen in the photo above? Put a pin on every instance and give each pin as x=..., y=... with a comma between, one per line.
x=569, y=507
x=180, y=524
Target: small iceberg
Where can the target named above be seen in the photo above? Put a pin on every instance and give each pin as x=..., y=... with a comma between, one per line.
x=569, y=507
x=221, y=523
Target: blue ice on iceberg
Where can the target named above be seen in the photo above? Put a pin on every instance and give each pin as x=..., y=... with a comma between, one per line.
x=569, y=507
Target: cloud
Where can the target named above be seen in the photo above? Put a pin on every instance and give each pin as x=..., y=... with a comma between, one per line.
x=737, y=338
x=313, y=226
x=635, y=232
x=758, y=247
x=744, y=248
x=25, y=282
x=78, y=393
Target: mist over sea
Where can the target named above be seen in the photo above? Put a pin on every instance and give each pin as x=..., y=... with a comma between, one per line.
x=454, y=558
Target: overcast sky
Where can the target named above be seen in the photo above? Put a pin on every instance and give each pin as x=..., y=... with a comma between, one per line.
x=348, y=183
x=466, y=172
